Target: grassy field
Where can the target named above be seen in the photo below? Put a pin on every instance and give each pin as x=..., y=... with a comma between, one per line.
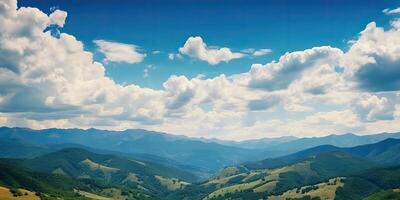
x=5, y=194
x=95, y=166
x=93, y=196
x=172, y=183
x=133, y=178
x=326, y=190
x=266, y=179
x=233, y=188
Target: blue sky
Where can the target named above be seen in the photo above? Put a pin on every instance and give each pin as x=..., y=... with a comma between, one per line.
x=282, y=26
x=217, y=69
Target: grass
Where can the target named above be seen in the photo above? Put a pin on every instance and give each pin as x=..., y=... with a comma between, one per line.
x=92, y=196
x=325, y=191
x=5, y=194
x=221, y=181
x=172, y=183
x=133, y=178
x=233, y=188
x=113, y=193
x=264, y=183
x=95, y=166
x=59, y=171
x=227, y=172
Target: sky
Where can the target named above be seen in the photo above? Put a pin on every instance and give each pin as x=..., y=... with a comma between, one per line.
x=216, y=69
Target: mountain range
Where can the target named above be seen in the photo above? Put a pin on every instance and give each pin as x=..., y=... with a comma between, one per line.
x=140, y=164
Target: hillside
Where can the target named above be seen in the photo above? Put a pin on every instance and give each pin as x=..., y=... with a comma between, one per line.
x=13, y=176
x=79, y=163
x=278, y=176
x=234, y=182
x=370, y=184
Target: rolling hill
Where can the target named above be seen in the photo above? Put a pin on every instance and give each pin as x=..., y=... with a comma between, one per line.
x=109, y=174
x=13, y=176
x=273, y=177
x=79, y=163
x=239, y=181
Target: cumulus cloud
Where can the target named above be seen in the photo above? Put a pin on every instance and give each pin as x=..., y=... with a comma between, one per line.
x=391, y=11
x=279, y=75
x=119, y=52
x=46, y=76
x=48, y=81
x=195, y=47
x=372, y=108
x=373, y=60
x=58, y=17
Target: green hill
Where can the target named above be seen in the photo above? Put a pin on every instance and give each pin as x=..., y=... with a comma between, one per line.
x=78, y=163
x=13, y=176
x=368, y=183
x=238, y=182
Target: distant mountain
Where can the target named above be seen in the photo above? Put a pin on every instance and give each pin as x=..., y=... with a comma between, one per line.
x=262, y=143
x=201, y=155
x=345, y=140
x=15, y=148
x=208, y=156
x=383, y=152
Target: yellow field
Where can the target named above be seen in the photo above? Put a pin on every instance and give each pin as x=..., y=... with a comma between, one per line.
x=326, y=191
x=5, y=194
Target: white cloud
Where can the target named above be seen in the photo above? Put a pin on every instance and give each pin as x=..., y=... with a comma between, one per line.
x=256, y=52
x=279, y=75
x=373, y=60
x=388, y=11
x=146, y=70
x=195, y=48
x=119, y=52
x=58, y=17
x=262, y=52
x=173, y=56
x=48, y=81
x=372, y=108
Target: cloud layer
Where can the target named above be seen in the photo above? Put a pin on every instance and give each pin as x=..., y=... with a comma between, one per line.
x=48, y=81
